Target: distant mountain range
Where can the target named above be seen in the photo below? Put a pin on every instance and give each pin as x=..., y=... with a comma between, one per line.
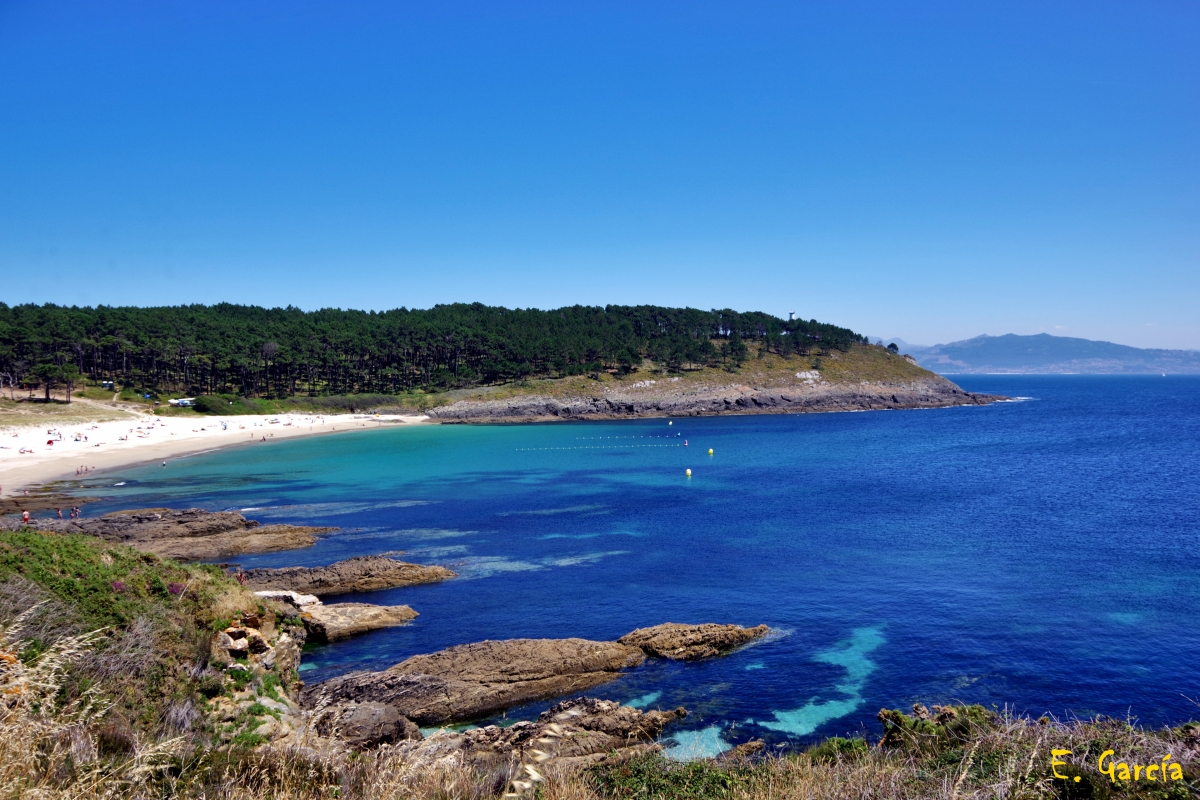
x=1043, y=353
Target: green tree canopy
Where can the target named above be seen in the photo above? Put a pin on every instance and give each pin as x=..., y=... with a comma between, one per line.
x=279, y=352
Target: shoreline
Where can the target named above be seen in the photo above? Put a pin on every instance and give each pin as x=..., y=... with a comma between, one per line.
x=145, y=438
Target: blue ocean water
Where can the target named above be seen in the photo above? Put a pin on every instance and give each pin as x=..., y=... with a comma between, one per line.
x=1040, y=554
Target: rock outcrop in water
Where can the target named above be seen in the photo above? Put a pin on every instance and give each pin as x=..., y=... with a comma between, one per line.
x=470, y=681
x=690, y=642
x=184, y=535
x=358, y=574
x=337, y=621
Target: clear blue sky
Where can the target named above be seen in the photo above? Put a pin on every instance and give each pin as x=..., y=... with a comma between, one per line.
x=925, y=170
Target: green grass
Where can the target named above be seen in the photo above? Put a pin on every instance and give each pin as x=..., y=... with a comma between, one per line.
x=156, y=616
x=107, y=586
x=650, y=776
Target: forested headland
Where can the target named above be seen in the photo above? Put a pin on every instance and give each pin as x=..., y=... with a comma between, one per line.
x=284, y=352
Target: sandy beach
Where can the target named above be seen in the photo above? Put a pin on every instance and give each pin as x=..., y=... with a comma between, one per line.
x=32, y=455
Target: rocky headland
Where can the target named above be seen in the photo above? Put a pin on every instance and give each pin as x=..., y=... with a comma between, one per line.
x=358, y=574
x=184, y=535
x=807, y=391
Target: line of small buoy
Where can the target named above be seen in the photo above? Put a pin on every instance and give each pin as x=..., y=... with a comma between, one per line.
x=648, y=436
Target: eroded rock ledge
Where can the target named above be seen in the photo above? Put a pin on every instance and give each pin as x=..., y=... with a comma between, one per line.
x=476, y=680
x=358, y=574
x=184, y=535
x=577, y=732
x=332, y=623
x=337, y=621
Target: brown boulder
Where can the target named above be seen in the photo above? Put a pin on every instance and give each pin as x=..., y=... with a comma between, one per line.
x=366, y=724
x=689, y=642
x=331, y=623
x=474, y=680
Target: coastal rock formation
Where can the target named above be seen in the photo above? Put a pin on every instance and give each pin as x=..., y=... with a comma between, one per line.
x=256, y=645
x=183, y=535
x=366, y=724
x=690, y=642
x=574, y=733
x=802, y=395
x=337, y=621
x=470, y=681
x=358, y=574
x=474, y=680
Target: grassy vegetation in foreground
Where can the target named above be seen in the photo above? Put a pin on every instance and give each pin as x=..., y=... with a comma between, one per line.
x=155, y=620
x=125, y=714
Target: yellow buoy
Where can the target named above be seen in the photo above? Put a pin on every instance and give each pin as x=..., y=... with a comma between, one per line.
x=710, y=451
x=689, y=473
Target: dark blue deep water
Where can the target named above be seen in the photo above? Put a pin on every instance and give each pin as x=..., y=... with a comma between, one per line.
x=1040, y=554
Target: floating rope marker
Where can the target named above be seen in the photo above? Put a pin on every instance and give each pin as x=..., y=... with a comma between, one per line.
x=710, y=451
x=689, y=473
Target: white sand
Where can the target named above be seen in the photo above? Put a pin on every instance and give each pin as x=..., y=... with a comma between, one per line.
x=145, y=438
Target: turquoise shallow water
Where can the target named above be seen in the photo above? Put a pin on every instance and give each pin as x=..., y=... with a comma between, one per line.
x=1040, y=554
